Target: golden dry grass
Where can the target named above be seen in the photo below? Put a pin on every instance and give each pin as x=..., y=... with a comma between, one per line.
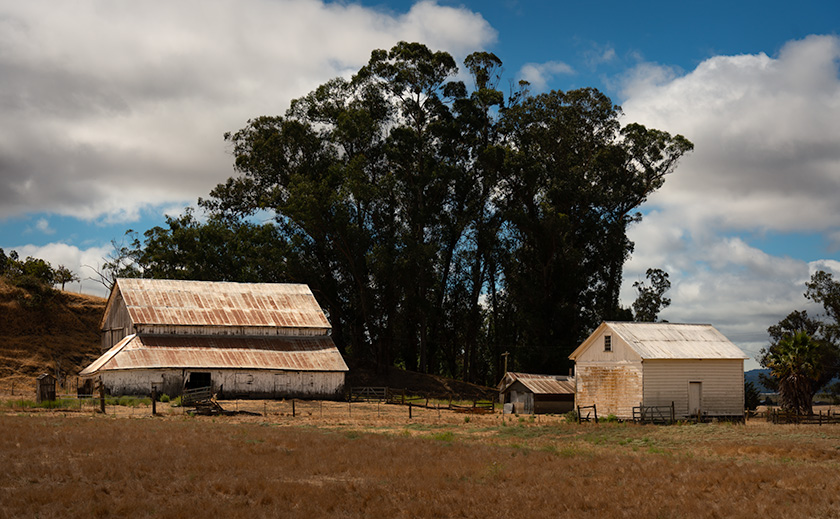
x=372, y=461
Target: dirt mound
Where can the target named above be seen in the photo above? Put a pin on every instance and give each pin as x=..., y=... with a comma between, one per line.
x=59, y=333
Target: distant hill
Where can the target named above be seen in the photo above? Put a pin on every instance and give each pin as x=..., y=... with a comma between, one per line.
x=752, y=376
x=61, y=332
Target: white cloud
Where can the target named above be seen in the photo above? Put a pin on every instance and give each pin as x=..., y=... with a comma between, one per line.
x=538, y=74
x=82, y=262
x=109, y=107
x=766, y=159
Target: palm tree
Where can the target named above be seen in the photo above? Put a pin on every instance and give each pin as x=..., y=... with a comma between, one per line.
x=796, y=362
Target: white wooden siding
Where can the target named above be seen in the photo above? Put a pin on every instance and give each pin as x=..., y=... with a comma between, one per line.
x=228, y=383
x=667, y=381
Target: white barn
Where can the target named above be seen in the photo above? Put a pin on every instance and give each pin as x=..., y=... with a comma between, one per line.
x=257, y=340
x=623, y=365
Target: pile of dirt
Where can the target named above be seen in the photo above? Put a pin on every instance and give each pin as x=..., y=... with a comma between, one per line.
x=58, y=333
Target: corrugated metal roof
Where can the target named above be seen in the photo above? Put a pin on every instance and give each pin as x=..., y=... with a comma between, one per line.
x=220, y=352
x=540, y=384
x=676, y=341
x=206, y=303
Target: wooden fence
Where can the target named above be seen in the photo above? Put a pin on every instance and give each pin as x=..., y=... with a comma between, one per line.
x=591, y=413
x=659, y=414
x=779, y=416
x=401, y=397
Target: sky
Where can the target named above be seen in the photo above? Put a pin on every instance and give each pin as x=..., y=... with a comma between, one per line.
x=112, y=115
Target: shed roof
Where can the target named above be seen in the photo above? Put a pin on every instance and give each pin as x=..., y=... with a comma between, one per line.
x=220, y=352
x=669, y=341
x=540, y=384
x=207, y=303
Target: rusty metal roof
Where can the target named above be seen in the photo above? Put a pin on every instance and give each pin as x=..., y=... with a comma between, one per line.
x=220, y=352
x=540, y=384
x=655, y=341
x=206, y=303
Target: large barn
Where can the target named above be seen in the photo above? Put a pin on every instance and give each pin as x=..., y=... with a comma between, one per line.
x=257, y=340
x=623, y=365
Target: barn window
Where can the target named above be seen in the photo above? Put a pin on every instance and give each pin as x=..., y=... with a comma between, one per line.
x=607, y=343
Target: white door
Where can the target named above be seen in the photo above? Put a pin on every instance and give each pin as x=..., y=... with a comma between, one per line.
x=695, y=393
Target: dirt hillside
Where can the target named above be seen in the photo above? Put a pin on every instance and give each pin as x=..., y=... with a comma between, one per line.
x=61, y=333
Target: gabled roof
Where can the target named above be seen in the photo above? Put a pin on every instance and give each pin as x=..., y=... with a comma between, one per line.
x=220, y=352
x=669, y=341
x=207, y=303
x=540, y=384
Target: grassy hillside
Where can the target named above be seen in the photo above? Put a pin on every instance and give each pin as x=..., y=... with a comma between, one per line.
x=60, y=331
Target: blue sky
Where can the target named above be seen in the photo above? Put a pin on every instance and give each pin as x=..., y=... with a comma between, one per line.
x=113, y=115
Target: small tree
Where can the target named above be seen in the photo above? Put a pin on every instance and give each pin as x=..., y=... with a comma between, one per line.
x=64, y=275
x=752, y=397
x=651, y=299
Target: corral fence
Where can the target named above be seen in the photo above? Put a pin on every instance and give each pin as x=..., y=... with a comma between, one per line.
x=591, y=413
x=780, y=416
x=656, y=414
x=428, y=401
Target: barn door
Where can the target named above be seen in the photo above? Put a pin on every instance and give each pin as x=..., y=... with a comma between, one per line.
x=695, y=400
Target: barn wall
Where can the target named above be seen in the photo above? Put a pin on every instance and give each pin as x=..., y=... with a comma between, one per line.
x=230, y=383
x=117, y=323
x=722, y=384
x=614, y=387
x=255, y=331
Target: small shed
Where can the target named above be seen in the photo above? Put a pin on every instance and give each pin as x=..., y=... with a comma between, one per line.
x=693, y=367
x=526, y=393
x=45, y=388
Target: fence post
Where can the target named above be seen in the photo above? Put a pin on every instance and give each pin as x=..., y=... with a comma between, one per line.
x=154, y=402
x=293, y=408
x=673, y=413
x=409, y=410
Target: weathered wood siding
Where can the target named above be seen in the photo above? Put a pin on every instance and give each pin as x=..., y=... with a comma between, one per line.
x=117, y=323
x=613, y=387
x=611, y=380
x=722, y=385
x=229, y=383
x=250, y=331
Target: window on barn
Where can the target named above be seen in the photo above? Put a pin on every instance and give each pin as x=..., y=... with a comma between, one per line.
x=607, y=343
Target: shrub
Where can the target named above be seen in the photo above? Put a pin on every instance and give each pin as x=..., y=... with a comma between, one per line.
x=571, y=416
x=164, y=398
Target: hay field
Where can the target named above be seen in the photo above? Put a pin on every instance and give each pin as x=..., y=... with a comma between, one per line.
x=373, y=461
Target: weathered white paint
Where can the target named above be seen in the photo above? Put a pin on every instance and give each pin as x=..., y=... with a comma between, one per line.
x=613, y=387
x=618, y=380
x=228, y=383
x=722, y=385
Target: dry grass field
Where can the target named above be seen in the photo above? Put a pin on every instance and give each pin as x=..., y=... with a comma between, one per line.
x=367, y=460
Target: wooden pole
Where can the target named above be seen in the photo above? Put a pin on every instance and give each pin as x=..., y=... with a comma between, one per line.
x=409, y=410
x=154, y=402
x=102, y=397
x=293, y=408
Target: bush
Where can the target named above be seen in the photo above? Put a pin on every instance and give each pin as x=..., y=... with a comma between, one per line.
x=164, y=398
x=571, y=416
x=611, y=418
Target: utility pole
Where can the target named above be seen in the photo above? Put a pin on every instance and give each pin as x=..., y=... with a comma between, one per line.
x=505, y=355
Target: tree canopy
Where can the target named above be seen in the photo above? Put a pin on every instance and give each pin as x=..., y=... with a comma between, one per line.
x=438, y=225
x=804, y=354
